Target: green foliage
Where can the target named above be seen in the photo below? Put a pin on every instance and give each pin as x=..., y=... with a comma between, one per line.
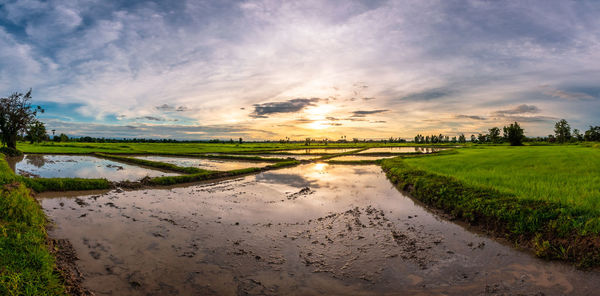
x=16, y=113
x=10, y=151
x=563, y=174
x=553, y=230
x=562, y=131
x=36, y=132
x=26, y=266
x=514, y=134
x=65, y=184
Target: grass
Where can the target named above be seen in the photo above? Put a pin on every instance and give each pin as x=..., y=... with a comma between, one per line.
x=509, y=190
x=65, y=184
x=26, y=265
x=187, y=148
x=569, y=175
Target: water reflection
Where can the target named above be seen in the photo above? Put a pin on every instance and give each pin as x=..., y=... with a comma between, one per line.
x=79, y=166
x=401, y=150
x=314, y=229
x=204, y=163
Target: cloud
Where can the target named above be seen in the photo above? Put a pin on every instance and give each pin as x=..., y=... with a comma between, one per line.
x=568, y=95
x=153, y=118
x=294, y=105
x=474, y=117
x=209, y=59
x=364, y=113
x=165, y=107
x=521, y=109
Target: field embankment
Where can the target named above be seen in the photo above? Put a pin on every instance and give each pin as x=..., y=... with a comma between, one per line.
x=26, y=265
x=543, y=198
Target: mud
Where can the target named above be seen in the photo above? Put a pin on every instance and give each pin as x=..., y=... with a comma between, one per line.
x=79, y=166
x=307, y=230
x=207, y=164
x=401, y=150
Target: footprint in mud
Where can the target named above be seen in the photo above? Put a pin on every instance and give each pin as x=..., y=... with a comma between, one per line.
x=328, y=243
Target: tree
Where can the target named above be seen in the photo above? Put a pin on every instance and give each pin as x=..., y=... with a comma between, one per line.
x=482, y=138
x=16, y=114
x=36, y=132
x=473, y=139
x=240, y=140
x=562, y=130
x=307, y=142
x=494, y=136
x=462, y=139
x=514, y=134
x=577, y=135
x=593, y=134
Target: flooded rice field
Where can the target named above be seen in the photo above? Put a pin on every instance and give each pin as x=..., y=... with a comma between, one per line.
x=401, y=150
x=294, y=156
x=308, y=230
x=204, y=163
x=359, y=157
x=317, y=151
x=79, y=166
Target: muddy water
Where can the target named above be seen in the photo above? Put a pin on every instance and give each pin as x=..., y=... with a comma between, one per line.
x=359, y=157
x=79, y=166
x=309, y=230
x=401, y=150
x=208, y=164
x=317, y=151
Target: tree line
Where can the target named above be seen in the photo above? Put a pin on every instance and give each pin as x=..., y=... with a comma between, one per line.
x=515, y=135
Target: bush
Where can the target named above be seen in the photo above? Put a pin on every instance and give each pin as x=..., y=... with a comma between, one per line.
x=10, y=151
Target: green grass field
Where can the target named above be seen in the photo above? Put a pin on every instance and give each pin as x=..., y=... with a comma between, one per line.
x=182, y=148
x=26, y=265
x=569, y=175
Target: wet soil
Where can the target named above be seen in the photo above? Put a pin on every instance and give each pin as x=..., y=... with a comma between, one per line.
x=79, y=166
x=308, y=230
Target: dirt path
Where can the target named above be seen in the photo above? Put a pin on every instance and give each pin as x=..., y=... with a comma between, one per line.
x=311, y=229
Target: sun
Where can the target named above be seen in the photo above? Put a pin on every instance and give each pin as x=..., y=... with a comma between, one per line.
x=319, y=112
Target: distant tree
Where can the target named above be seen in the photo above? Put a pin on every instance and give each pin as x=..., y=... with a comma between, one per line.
x=355, y=140
x=481, y=138
x=454, y=139
x=473, y=139
x=494, y=136
x=240, y=140
x=61, y=138
x=16, y=114
x=562, y=131
x=462, y=139
x=593, y=134
x=36, y=132
x=577, y=135
x=307, y=142
x=514, y=134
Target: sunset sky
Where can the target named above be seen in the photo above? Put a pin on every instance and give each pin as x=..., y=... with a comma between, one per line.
x=275, y=69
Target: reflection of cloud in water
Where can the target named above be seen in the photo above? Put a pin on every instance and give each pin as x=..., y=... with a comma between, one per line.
x=362, y=171
x=287, y=179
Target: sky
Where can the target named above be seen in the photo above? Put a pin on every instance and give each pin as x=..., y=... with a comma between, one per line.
x=267, y=70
